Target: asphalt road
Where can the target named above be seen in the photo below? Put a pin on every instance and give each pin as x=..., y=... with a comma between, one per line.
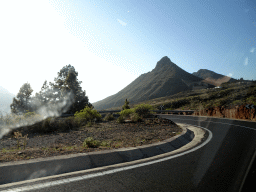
x=218, y=165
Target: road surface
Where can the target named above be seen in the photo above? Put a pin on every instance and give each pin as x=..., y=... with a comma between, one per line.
x=219, y=164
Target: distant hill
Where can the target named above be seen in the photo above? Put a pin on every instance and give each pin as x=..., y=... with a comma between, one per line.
x=212, y=77
x=5, y=100
x=164, y=80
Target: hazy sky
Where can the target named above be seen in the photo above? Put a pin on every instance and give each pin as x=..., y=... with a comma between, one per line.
x=111, y=43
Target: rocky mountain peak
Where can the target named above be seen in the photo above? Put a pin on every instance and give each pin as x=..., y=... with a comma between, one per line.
x=163, y=63
x=164, y=59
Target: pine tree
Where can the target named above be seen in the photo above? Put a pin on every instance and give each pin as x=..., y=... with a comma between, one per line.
x=48, y=93
x=22, y=104
x=67, y=82
x=15, y=106
x=41, y=98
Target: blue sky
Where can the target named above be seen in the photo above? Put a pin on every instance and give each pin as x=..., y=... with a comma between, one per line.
x=111, y=43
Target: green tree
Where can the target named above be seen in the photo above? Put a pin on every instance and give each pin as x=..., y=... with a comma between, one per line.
x=42, y=98
x=48, y=93
x=44, y=95
x=22, y=104
x=15, y=106
x=67, y=82
x=126, y=105
x=24, y=95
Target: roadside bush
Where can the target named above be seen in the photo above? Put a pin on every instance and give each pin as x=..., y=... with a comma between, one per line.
x=69, y=123
x=89, y=124
x=237, y=102
x=47, y=125
x=78, y=122
x=176, y=103
x=89, y=114
x=90, y=142
x=29, y=114
x=135, y=117
x=74, y=122
x=105, y=144
x=109, y=117
x=126, y=113
x=251, y=100
x=64, y=126
x=120, y=119
x=143, y=110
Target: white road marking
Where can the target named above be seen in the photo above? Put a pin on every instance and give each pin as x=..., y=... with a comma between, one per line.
x=219, y=123
x=88, y=176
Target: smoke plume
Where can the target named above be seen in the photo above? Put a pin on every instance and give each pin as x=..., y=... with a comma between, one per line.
x=50, y=109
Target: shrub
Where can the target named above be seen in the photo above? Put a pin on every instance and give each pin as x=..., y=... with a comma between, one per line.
x=78, y=122
x=135, y=117
x=69, y=123
x=17, y=136
x=49, y=124
x=237, y=102
x=251, y=100
x=89, y=124
x=120, y=119
x=127, y=112
x=46, y=125
x=74, y=122
x=88, y=113
x=143, y=110
x=90, y=142
x=29, y=114
x=105, y=144
x=64, y=126
x=109, y=117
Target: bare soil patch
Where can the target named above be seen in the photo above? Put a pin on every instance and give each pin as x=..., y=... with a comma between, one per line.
x=110, y=134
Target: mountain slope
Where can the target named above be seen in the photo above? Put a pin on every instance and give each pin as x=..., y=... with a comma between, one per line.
x=165, y=79
x=212, y=77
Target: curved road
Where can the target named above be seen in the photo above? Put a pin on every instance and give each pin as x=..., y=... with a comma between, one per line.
x=219, y=164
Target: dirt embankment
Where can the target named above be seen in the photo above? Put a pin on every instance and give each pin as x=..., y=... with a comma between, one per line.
x=237, y=112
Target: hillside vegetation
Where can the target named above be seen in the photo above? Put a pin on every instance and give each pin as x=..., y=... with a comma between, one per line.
x=230, y=94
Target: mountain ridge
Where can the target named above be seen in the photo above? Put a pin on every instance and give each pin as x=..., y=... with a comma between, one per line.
x=165, y=79
x=213, y=77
